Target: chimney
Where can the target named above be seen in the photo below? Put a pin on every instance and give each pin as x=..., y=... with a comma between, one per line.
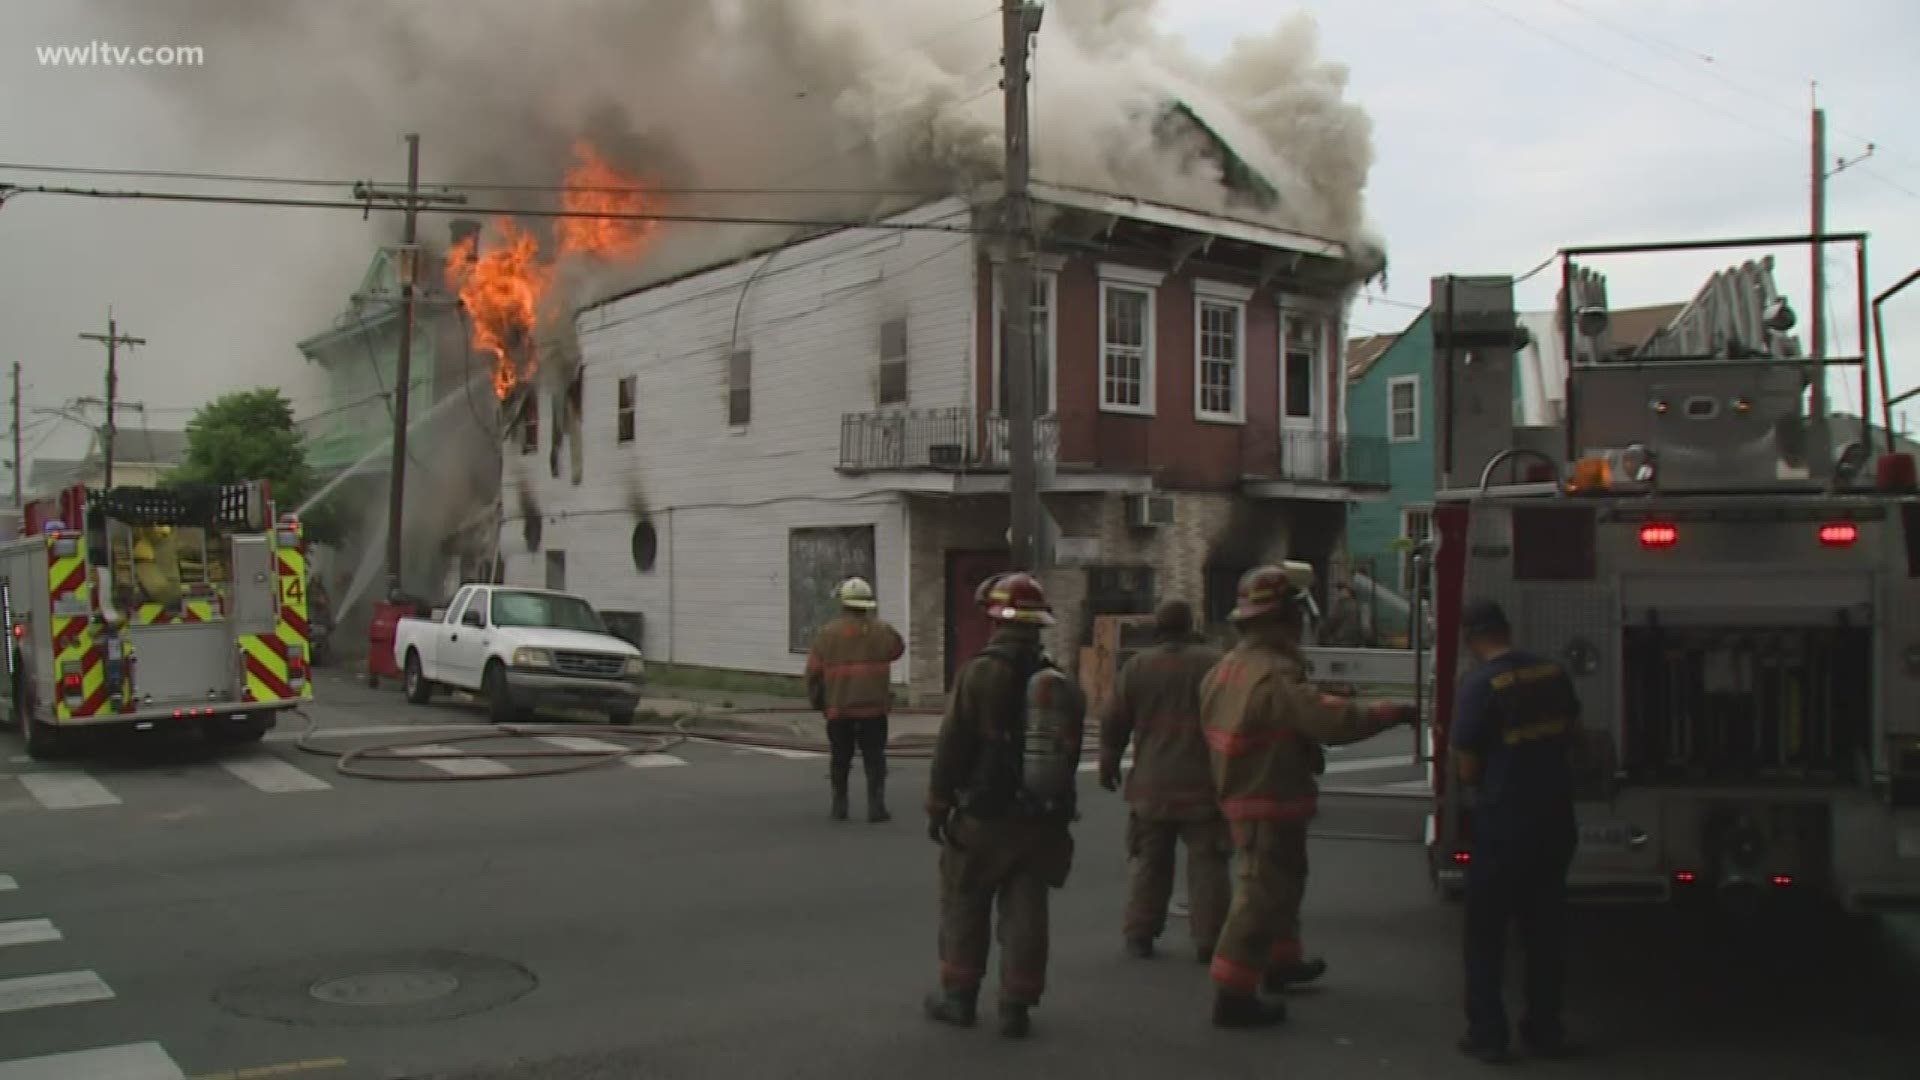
x=460, y=229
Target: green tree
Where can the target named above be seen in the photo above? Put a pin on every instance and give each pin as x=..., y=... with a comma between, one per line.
x=249, y=435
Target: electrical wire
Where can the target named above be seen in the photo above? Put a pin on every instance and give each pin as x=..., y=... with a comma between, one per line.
x=596, y=215
x=1693, y=99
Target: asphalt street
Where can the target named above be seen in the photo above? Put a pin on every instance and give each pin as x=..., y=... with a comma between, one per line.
x=170, y=912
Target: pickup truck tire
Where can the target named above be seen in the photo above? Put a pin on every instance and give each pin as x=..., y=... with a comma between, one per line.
x=500, y=706
x=419, y=690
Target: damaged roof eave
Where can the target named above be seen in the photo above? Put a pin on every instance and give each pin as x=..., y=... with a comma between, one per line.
x=1194, y=221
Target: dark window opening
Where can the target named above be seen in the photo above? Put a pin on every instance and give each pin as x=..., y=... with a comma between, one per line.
x=1117, y=590
x=529, y=422
x=740, y=388
x=645, y=545
x=893, y=362
x=817, y=561
x=624, y=410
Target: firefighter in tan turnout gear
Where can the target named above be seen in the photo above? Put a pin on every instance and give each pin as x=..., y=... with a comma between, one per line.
x=848, y=679
x=1264, y=723
x=1156, y=707
x=999, y=804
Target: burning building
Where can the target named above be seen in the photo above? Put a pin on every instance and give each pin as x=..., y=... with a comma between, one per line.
x=744, y=435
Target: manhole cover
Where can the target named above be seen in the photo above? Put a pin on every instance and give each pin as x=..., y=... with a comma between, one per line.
x=386, y=988
x=376, y=989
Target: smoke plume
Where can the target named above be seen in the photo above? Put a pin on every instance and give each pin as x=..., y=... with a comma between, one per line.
x=846, y=96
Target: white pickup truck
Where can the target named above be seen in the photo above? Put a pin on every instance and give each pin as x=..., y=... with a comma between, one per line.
x=520, y=649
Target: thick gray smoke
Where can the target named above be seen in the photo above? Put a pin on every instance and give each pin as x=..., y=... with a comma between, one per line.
x=867, y=104
x=828, y=94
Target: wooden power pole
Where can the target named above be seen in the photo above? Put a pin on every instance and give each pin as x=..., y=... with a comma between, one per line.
x=411, y=199
x=17, y=463
x=114, y=339
x=1020, y=20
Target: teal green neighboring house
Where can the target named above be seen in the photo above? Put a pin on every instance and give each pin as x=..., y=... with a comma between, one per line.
x=1390, y=396
x=360, y=356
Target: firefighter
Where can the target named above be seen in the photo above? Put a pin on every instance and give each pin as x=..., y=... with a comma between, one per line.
x=848, y=679
x=1156, y=706
x=1262, y=721
x=999, y=804
x=1515, y=734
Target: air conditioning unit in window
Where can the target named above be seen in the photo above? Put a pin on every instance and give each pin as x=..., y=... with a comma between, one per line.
x=1149, y=511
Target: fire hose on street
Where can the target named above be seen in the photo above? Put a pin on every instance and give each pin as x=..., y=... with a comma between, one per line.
x=621, y=743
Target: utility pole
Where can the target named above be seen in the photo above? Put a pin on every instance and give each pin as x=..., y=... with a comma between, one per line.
x=1820, y=445
x=1019, y=22
x=17, y=463
x=412, y=199
x=114, y=339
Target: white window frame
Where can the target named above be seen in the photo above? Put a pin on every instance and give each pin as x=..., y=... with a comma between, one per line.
x=1221, y=294
x=1141, y=282
x=1050, y=275
x=1407, y=515
x=630, y=384
x=1394, y=383
x=1321, y=391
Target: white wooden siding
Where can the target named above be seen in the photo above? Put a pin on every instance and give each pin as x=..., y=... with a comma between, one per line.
x=722, y=500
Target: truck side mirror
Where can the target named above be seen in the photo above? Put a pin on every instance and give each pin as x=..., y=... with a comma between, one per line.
x=473, y=618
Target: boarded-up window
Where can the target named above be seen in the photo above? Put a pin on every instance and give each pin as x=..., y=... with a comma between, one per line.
x=818, y=560
x=740, y=388
x=624, y=411
x=893, y=362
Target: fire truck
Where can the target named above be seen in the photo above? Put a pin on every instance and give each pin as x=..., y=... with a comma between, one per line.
x=151, y=609
x=1735, y=594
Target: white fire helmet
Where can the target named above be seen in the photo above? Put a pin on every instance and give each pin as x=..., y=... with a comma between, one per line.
x=855, y=593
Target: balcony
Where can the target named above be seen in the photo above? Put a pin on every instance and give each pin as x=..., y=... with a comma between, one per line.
x=943, y=440
x=1317, y=463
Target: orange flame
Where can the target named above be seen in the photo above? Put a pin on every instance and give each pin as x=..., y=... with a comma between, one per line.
x=502, y=291
x=595, y=187
x=506, y=288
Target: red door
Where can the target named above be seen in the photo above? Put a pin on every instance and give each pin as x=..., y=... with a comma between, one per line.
x=967, y=626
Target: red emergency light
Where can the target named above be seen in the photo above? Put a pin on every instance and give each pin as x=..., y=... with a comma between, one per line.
x=1839, y=534
x=1463, y=857
x=1659, y=536
x=1782, y=880
x=1685, y=877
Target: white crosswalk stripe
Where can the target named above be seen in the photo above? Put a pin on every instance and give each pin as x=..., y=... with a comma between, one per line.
x=634, y=761
x=779, y=751
x=27, y=932
x=135, y=1061
x=42, y=991
x=67, y=790
x=464, y=765
x=273, y=776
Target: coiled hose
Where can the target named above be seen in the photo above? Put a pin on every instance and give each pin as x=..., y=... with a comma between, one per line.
x=628, y=741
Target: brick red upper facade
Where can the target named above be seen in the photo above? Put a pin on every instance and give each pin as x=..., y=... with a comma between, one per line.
x=1179, y=450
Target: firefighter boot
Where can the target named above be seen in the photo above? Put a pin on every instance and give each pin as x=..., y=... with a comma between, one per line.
x=1142, y=948
x=954, y=1007
x=1014, y=1022
x=839, y=799
x=1246, y=1011
x=1289, y=975
x=877, y=801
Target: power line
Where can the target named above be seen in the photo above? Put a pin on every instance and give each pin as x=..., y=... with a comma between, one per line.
x=1713, y=67
x=596, y=215
x=1694, y=99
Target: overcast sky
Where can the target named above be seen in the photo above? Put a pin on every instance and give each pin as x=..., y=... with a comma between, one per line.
x=1504, y=130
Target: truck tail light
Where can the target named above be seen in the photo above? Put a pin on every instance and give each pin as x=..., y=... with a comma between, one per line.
x=297, y=668
x=1659, y=535
x=1839, y=534
x=1685, y=877
x=70, y=681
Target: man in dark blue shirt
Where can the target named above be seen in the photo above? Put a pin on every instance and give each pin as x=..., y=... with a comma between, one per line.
x=1515, y=727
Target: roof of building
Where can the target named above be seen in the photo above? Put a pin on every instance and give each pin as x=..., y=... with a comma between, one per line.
x=150, y=446
x=1364, y=352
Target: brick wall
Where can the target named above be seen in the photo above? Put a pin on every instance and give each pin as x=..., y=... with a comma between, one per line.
x=1207, y=527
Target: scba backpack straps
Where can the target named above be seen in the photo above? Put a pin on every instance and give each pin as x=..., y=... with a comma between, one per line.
x=1000, y=780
